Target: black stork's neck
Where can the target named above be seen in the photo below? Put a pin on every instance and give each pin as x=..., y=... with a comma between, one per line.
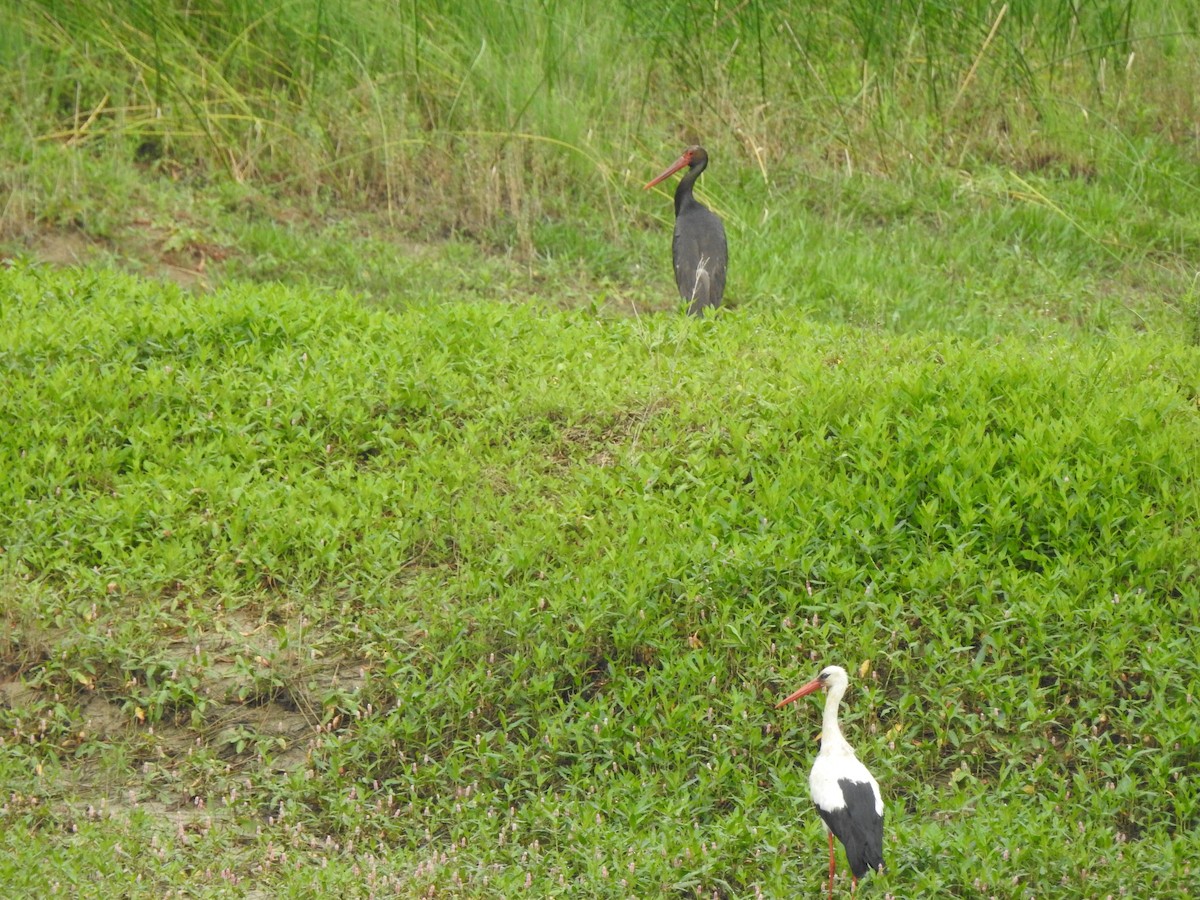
x=683, y=193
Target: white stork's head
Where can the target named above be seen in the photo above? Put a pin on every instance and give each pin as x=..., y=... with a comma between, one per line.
x=832, y=678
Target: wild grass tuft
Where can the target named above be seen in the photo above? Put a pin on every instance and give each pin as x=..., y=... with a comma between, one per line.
x=489, y=118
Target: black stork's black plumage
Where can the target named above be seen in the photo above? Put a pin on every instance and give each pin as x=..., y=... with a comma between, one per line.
x=845, y=793
x=699, y=248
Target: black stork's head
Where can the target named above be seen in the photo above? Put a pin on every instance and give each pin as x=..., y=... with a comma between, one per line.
x=831, y=678
x=695, y=158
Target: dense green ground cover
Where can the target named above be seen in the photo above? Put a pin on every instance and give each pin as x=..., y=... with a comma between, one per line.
x=308, y=596
x=409, y=544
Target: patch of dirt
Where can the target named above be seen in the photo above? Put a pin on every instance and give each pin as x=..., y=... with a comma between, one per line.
x=602, y=443
x=182, y=256
x=65, y=248
x=259, y=694
x=142, y=246
x=16, y=695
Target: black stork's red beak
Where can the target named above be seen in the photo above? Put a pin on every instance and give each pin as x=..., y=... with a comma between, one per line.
x=685, y=160
x=813, y=685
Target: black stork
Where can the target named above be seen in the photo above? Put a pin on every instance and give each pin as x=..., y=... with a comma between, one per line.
x=845, y=793
x=699, y=248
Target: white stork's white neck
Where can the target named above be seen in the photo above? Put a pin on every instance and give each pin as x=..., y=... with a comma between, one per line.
x=832, y=740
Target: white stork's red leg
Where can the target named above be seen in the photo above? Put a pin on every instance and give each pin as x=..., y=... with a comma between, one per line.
x=831, y=865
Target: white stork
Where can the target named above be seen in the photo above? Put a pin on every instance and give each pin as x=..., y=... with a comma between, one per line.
x=846, y=794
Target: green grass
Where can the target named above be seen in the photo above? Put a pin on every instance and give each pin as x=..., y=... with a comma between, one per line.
x=888, y=166
x=305, y=596
x=372, y=524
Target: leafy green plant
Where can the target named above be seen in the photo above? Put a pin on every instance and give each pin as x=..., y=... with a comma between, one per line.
x=509, y=591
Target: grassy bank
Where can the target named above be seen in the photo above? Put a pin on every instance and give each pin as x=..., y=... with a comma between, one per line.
x=302, y=596
x=891, y=167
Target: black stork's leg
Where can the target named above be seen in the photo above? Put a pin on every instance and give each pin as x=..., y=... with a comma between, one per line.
x=831, y=865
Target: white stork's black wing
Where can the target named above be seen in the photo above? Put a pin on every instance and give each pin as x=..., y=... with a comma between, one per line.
x=858, y=825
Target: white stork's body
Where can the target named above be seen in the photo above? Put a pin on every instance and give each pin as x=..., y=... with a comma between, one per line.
x=845, y=793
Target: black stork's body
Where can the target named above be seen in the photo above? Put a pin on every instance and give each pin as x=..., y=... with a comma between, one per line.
x=845, y=793
x=699, y=248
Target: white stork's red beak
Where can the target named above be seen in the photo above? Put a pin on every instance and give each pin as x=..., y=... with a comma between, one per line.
x=685, y=160
x=813, y=685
